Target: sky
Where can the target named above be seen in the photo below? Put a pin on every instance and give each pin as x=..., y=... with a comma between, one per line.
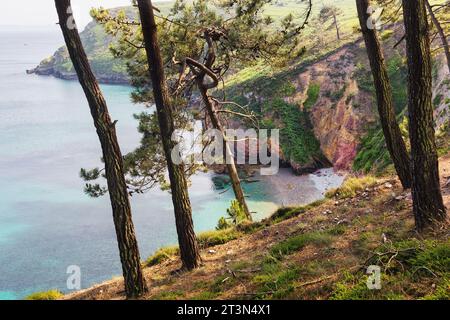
x=43, y=12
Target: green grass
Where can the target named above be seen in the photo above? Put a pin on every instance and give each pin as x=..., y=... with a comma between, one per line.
x=313, y=96
x=205, y=239
x=337, y=230
x=169, y=295
x=351, y=186
x=288, y=212
x=162, y=255
x=47, y=295
x=442, y=291
x=424, y=258
x=372, y=154
x=275, y=281
x=216, y=237
x=408, y=268
x=297, y=243
x=205, y=295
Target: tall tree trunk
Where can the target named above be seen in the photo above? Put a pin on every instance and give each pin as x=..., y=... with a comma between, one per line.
x=440, y=32
x=189, y=250
x=135, y=284
x=338, y=33
x=427, y=197
x=392, y=134
x=231, y=166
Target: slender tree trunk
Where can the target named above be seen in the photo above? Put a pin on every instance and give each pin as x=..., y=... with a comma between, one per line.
x=189, y=249
x=392, y=134
x=338, y=33
x=231, y=166
x=440, y=32
x=135, y=284
x=427, y=197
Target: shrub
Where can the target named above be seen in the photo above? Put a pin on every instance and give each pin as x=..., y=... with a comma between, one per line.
x=297, y=138
x=313, y=95
x=285, y=213
x=437, y=100
x=46, y=295
x=162, y=255
x=351, y=186
x=236, y=216
x=213, y=238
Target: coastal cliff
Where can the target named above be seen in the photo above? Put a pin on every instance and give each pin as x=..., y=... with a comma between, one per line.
x=325, y=106
x=107, y=69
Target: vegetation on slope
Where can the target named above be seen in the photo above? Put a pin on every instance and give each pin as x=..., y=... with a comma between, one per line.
x=373, y=154
x=298, y=143
x=321, y=251
x=46, y=295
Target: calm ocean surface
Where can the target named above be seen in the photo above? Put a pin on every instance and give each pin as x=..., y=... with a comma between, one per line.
x=46, y=136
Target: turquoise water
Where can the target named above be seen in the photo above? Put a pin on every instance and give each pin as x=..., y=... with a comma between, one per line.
x=47, y=135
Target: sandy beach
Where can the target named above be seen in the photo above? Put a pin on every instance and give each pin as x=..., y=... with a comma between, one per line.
x=292, y=190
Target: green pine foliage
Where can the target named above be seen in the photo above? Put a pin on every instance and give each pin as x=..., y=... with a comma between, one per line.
x=235, y=216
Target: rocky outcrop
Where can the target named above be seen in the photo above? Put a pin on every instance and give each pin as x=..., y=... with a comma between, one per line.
x=342, y=112
x=106, y=68
x=339, y=117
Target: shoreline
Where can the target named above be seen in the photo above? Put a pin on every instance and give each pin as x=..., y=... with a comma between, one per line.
x=290, y=190
x=285, y=187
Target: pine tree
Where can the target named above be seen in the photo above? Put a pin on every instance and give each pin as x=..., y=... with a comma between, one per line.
x=392, y=134
x=331, y=13
x=135, y=285
x=189, y=249
x=427, y=197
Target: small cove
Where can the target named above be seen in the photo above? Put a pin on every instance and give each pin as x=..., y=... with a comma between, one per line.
x=47, y=223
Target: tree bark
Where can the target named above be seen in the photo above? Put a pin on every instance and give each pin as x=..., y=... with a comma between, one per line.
x=189, y=250
x=135, y=285
x=392, y=134
x=338, y=34
x=441, y=32
x=428, y=204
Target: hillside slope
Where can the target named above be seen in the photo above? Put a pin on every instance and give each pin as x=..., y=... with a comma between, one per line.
x=333, y=88
x=324, y=102
x=96, y=43
x=112, y=71
x=317, y=252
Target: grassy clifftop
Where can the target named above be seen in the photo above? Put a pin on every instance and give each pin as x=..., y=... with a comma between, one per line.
x=110, y=70
x=96, y=43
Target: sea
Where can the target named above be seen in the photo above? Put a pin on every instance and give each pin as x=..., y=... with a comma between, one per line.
x=47, y=223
